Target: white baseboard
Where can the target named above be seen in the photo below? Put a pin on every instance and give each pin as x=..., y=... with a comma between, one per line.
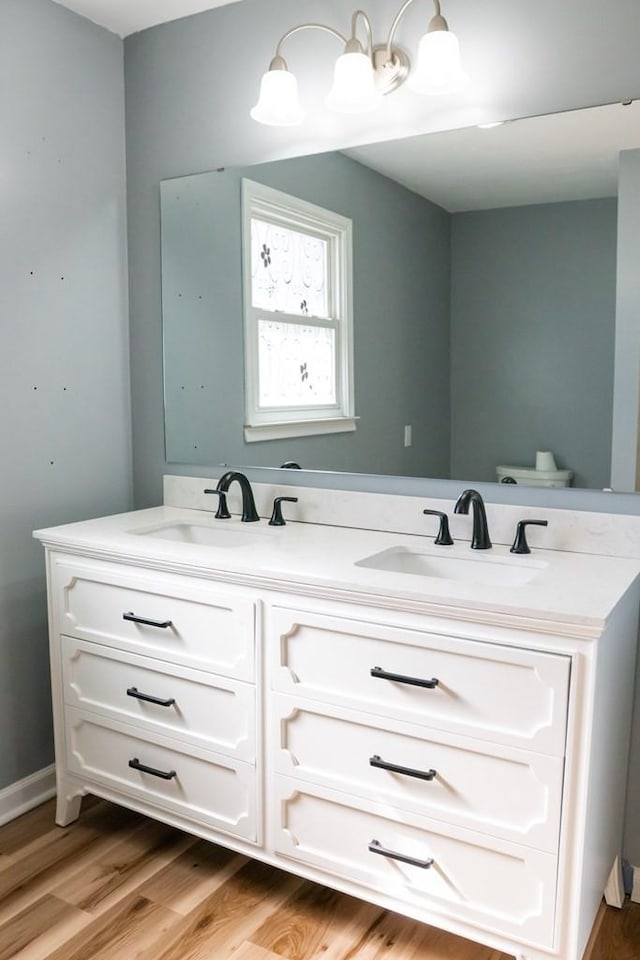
x=19, y=797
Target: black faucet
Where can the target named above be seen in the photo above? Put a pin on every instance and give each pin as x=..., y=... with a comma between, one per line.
x=480, y=539
x=249, y=512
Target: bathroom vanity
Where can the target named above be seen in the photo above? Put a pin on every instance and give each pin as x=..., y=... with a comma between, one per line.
x=441, y=733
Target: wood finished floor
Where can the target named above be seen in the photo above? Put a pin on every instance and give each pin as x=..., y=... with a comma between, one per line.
x=117, y=886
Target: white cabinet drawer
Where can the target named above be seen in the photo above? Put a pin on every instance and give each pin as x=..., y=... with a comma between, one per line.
x=483, y=690
x=502, y=791
x=204, y=787
x=215, y=712
x=188, y=622
x=506, y=888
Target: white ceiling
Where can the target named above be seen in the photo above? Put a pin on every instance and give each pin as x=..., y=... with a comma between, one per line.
x=563, y=156
x=129, y=16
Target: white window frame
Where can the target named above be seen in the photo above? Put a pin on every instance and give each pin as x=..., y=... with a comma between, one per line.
x=274, y=423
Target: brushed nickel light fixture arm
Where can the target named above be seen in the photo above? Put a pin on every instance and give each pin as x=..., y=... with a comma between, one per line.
x=364, y=72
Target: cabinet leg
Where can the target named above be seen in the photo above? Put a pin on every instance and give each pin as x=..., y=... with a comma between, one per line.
x=68, y=802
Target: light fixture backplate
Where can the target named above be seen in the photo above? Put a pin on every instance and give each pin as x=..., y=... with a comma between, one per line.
x=388, y=74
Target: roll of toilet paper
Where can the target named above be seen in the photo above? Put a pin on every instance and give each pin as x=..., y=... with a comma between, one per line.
x=545, y=460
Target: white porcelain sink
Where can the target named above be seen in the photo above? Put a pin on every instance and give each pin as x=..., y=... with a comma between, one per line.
x=484, y=571
x=205, y=534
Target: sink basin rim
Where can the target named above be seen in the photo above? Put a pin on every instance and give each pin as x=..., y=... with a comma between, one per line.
x=193, y=532
x=473, y=570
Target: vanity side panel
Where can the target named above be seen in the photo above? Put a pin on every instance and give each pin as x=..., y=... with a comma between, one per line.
x=608, y=753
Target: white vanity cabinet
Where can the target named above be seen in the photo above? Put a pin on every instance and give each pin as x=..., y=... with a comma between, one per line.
x=154, y=694
x=466, y=774
x=461, y=764
x=427, y=766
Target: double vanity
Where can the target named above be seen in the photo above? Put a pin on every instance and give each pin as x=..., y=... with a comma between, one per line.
x=439, y=730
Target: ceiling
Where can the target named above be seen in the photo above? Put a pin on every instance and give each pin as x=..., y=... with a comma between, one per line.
x=129, y=16
x=562, y=156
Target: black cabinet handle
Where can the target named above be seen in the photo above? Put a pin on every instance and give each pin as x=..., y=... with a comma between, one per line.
x=163, y=624
x=376, y=761
x=399, y=678
x=163, y=774
x=134, y=692
x=375, y=847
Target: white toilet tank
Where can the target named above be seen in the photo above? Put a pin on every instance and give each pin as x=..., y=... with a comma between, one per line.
x=531, y=477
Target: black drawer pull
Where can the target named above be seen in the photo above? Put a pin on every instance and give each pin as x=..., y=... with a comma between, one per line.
x=134, y=692
x=375, y=847
x=163, y=774
x=163, y=624
x=399, y=678
x=377, y=761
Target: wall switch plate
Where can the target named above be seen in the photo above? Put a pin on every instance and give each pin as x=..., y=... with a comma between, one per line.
x=407, y=435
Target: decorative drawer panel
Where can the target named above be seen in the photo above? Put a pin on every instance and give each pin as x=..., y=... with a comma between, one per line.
x=504, y=888
x=156, y=615
x=215, y=712
x=483, y=690
x=498, y=790
x=204, y=787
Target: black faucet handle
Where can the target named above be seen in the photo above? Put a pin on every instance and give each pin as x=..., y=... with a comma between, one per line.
x=222, y=513
x=520, y=544
x=277, y=520
x=444, y=537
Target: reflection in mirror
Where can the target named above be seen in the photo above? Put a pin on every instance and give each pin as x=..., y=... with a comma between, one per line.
x=484, y=301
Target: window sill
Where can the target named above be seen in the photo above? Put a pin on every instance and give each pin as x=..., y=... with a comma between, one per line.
x=284, y=429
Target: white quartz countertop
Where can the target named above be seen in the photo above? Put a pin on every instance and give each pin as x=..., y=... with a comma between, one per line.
x=566, y=588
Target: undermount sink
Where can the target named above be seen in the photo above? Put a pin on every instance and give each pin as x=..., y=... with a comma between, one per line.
x=203, y=534
x=484, y=571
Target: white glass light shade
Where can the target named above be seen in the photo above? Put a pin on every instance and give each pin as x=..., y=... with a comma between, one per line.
x=438, y=68
x=278, y=104
x=353, y=89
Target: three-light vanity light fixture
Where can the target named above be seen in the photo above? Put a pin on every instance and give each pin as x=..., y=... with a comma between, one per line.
x=364, y=74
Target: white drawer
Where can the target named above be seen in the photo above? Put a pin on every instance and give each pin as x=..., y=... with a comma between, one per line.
x=502, y=887
x=483, y=690
x=189, y=622
x=215, y=712
x=204, y=787
x=502, y=791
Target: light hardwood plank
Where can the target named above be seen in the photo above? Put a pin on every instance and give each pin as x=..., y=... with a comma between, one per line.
x=39, y=929
x=126, y=932
x=249, y=951
x=619, y=934
x=192, y=877
x=316, y=922
x=226, y=919
x=122, y=868
x=62, y=853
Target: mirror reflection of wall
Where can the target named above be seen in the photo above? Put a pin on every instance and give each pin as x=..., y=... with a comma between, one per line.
x=489, y=331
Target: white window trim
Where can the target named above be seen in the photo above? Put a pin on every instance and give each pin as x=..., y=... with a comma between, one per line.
x=264, y=202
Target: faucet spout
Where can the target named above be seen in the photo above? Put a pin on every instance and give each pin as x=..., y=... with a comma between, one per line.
x=480, y=539
x=249, y=512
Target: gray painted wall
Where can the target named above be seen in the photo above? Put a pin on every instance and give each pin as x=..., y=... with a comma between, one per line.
x=533, y=323
x=401, y=309
x=64, y=425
